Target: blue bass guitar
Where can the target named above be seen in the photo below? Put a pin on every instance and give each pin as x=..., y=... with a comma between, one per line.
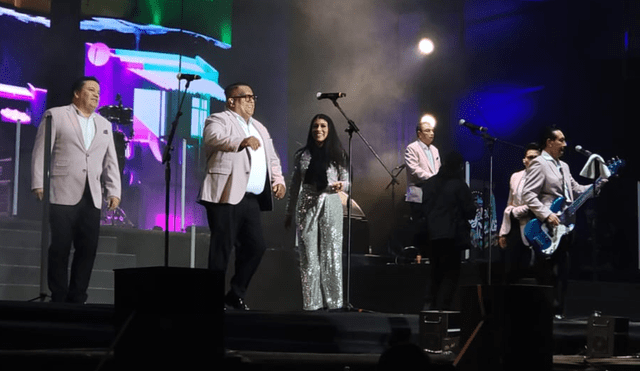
x=544, y=239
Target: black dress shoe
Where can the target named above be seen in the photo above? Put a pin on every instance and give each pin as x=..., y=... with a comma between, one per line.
x=235, y=302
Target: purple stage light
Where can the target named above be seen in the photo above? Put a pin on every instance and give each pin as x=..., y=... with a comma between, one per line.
x=13, y=115
x=174, y=222
x=19, y=93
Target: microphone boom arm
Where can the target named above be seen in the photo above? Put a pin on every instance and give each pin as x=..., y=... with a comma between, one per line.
x=353, y=128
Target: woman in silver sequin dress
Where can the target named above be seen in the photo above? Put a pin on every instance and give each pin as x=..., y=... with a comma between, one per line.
x=319, y=173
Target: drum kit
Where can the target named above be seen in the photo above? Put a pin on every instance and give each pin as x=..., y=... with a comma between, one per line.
x=121, y=119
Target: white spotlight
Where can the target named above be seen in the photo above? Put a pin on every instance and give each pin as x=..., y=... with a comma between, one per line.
x=425, y=46
x=428, y=118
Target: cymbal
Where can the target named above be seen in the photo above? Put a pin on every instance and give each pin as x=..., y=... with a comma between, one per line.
x=117, y=114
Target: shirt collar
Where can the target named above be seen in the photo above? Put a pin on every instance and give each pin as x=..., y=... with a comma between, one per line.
x=548, y=157
x=93, y=114
x=424, y=146
x=242, y=120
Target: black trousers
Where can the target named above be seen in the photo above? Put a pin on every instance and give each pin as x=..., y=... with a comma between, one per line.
x=78, y=225
x=420, y=229
x=444, y=260
x=238, y=226
x=517, y=256
x=554, y=271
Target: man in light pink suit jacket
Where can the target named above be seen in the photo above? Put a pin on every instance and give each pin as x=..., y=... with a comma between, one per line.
x=547, y=179
x=243, y=170
x=517, y=254
x=422, y=160
x=83, y=161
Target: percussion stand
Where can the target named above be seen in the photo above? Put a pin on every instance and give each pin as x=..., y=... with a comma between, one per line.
x=166, y=160
x=350, y=130
x=119, y=119
x=393, y=184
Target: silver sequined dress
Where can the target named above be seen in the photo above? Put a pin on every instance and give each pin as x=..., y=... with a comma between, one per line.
x=318, y=218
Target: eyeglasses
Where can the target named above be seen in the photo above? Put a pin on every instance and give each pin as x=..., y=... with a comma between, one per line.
x=246, y=97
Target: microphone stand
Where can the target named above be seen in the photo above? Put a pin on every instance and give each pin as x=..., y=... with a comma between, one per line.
x=489, y=142
x=350, y=130
x=46, y=206
x=166, y=160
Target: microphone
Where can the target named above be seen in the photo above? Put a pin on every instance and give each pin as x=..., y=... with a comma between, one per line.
x=583, y=151
x=471, y=126
x=320, y=95
x=188, y=76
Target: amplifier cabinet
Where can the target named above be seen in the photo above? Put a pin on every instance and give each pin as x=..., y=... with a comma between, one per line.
x=607, y=336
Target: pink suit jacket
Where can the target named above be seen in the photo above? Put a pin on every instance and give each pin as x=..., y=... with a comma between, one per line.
x=227, y=168
x=71, y=163
x=516, y=206
x=419, y=169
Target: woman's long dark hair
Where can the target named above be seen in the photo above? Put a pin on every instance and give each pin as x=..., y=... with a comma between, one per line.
x=452, y=166
x=331, y=152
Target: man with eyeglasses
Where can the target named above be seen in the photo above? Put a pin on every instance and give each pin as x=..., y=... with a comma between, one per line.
x=243, y=170
x=422, y=161
x=547, y=179
x=517, y=254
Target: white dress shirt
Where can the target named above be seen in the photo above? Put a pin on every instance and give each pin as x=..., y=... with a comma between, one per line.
x=88, y=127
x=257, y=157
x=427, y=151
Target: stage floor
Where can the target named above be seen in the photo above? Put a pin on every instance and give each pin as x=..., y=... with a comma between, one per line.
x=276, y=334
x=37, y=334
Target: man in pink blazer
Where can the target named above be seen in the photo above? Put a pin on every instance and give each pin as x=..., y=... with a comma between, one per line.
x=83, y=161
x=243, y=169
x=517, y=254
x=422, y=160
x=547, y=179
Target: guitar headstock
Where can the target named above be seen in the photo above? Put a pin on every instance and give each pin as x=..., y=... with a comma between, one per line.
x=615, y=164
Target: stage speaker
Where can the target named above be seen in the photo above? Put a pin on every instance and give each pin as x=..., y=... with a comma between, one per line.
x=506, y=327
x=439, y=330
x=168, y=318
x=607, y=336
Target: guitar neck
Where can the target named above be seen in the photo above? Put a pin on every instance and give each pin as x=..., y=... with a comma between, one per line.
x=613, y=167
x=580, y=200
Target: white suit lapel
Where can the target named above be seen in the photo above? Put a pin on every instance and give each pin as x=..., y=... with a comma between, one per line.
x=73, y=118
x=238, y=128
x=98, y=131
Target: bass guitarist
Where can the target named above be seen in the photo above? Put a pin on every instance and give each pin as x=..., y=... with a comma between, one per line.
x=547, y=179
